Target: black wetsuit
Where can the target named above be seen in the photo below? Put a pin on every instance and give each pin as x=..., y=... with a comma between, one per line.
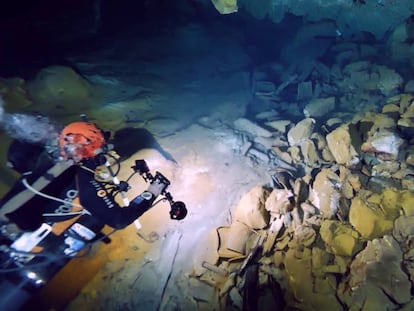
x=71, y=182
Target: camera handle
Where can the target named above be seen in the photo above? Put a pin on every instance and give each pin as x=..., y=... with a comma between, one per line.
x=178, y=209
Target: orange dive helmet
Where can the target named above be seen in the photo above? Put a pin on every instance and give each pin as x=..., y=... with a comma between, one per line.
x=81, y=140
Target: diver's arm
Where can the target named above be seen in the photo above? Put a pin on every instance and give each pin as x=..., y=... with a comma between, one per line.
x=101, y=204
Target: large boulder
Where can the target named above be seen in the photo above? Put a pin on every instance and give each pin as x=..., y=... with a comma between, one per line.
x=340, y=145
x=60, y=91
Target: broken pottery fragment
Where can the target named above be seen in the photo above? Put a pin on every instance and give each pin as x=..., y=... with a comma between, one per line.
x=379, y=265
x=223, y=251
x=251, y=208
x=301, y=131
x=272, y=234
x=340, y=146
x=237, y=236
x=325, y=193
x=319, y=107
x=340, y=239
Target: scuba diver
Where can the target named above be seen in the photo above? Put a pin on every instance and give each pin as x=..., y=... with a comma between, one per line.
x=47, y=186
x=68, y=191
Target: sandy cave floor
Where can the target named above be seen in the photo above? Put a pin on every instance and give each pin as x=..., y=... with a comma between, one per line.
x=133, y=274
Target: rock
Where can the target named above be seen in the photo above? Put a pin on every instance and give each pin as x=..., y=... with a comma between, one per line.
x=390, y=81
x=14, y=95
x=340, y=146
x=279, y=125
x=391, y=110
x=301, y=131
x=319, y=107
x=223, y=251
x=384, y=143
x=385, y=169
x=325, y=193
x=251, y=208
x=237, y=236
x=304, y=235
x=60, y=91
x=267, y=115
x=206, y=251
x=409, y=87
x=305, y=91
x=200, y=290
x=403, y=231
x=244, y=125
x=333, y=123
x=279, y=202
x=350, y=183
x=225, y=6
x=369, y=220
x=295, y=154
x=301, y=283
x=340, y=238
x=310, y=155
x=285, y=156
x=379, y=265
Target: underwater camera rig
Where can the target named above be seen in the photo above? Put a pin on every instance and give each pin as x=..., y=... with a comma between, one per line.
x=178, y=209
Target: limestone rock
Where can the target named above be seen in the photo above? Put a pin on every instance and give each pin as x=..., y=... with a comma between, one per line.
x=279, y=202
x=325, y=193
x=340, y=146
x=369, y=220
x=340, y=238
x=225, y=6
x=14, y=95
x=251, y=208
x=60, y=91
x=409, y=87
x=301, y=131
x=249, y=127
x=301, y=284
x=403, y=231
x=379, y=265
x=385, y=143
x=390, y=81
x=237, y=236
x=206, y=251
x=279, y=125
x=319, y=107
x=310, y=154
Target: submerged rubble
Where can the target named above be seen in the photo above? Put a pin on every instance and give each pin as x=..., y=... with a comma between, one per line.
x=333, y=228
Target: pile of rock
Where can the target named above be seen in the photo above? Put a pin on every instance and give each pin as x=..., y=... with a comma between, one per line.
x=333, y=230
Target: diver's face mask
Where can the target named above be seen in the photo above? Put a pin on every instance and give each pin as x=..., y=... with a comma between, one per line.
x=81, y=140
x=77, y=147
